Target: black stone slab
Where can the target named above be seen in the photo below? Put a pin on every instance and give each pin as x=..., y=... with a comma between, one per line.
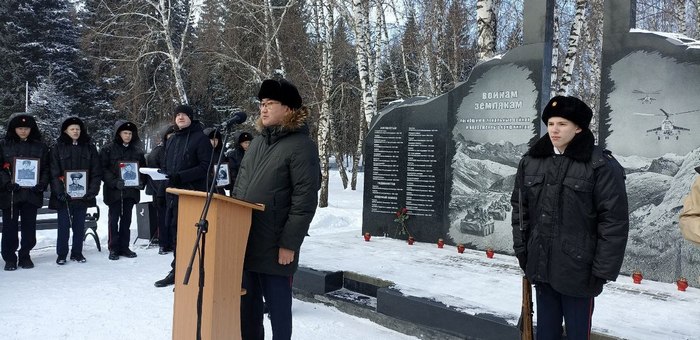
x=650, y=115
x=317, y=282
x=436, y=315
x=413, y=148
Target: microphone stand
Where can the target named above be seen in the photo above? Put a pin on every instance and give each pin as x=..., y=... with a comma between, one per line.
x=202, y=228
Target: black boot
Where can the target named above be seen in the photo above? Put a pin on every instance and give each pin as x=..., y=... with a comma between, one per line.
x=10, y=266
x=127, y=253
x=113, y=255
x=26, y=262
x=167, y=281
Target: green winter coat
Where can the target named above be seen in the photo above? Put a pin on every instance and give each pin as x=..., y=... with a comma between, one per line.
x=280, y=170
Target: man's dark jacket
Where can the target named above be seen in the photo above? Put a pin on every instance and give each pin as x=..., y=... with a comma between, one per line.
x=82, y=156
x=33, y=147
x=280, y=170
x=187, y=155
x=112, y=156
x=575, y=211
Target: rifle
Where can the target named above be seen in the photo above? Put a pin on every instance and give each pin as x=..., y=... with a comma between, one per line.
x=525, y=321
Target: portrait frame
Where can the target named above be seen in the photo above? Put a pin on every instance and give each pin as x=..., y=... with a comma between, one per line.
x=76, y=183
x=26, y=171
x=129, y=173
x=223, y=176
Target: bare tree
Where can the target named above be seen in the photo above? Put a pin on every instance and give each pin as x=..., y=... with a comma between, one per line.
x=324, y=26
x=572, y=50
x=486, y=25
x=161, y=34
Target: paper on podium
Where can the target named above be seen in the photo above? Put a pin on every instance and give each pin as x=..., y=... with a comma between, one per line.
x=154, y=174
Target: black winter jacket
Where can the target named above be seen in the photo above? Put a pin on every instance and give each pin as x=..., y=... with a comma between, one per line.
x=33, y=147
x=66, y=156
x=111, y=157
x=153, y=160
x=280, y=170
x=575, y=212
x=187, y=154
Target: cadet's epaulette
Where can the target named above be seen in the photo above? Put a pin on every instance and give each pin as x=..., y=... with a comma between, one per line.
x=600, y=157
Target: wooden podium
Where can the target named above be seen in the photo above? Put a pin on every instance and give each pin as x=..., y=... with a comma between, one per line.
x=229, y=224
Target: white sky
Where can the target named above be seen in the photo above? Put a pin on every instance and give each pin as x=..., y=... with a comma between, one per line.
x=104, y=299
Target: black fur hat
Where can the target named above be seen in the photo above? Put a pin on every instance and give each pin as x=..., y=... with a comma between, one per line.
x=282, y=91
x=186, y=109
x=22, y=120
x=570, y=108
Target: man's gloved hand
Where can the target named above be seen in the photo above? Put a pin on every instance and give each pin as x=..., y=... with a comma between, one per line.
x=39, y=188
x=522, y=260
x=12, y=187
x=89, y=197
x=120, y=184
x=595, y=281
x=175, y=179
x=63, y=197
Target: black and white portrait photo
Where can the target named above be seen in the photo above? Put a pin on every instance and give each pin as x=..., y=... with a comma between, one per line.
x=76, y=183
x=128, y=172
x=26, y=171
x=222, y=175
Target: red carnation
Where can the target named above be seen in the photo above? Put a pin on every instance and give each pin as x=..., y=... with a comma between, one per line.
x=121, y=165
x=6, y=166
x=61, y=178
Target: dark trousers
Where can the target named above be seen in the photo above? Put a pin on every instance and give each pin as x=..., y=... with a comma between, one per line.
x=277, y=291
x=64, y=228
x=10, y=228
x=552, y=307
x=119, y=222
x=169, y=231
x=159, y=203
x=170, y=235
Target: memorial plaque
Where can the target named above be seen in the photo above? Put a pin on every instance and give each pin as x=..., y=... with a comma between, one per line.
x=649, y=119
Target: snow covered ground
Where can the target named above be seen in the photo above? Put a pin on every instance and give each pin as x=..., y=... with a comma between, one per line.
x=104, y=299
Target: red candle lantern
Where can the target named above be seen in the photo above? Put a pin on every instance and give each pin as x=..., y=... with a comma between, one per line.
x=682, y=284
x=460, y=248
x=637, y=276
x=367, y=237
x=411, y=240
x=441, y=243
x=489, y=253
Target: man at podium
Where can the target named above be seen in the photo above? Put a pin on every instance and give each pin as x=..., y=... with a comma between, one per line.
x=281, y=171
x=186, y=162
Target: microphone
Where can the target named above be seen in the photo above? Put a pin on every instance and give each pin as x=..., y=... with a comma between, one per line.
x=238, y=118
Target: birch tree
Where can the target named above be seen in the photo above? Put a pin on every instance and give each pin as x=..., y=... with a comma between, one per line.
x=486, y=26
x=149, y=40
x=572, y=49
x=324, y=25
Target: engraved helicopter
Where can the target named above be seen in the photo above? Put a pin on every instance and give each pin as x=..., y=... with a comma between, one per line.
x=647, y=96
x=667, y=130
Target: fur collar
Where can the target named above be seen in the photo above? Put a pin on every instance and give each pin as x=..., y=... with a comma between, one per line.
x=291, y=122
x=580, y=149
x=295, y=122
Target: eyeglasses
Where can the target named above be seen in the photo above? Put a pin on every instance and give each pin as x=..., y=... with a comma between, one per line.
x=268, y=104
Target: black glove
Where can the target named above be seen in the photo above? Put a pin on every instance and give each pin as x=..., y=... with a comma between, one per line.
x=175, y=180
x=12, y=187
x=89, y=197
x=38, y=188
x=62, y=196
x=522, y=260
x=120, y=185
x=595, y=281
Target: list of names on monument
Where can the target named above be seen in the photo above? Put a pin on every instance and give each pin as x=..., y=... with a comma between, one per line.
x=385, y=177
x=420, y=173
